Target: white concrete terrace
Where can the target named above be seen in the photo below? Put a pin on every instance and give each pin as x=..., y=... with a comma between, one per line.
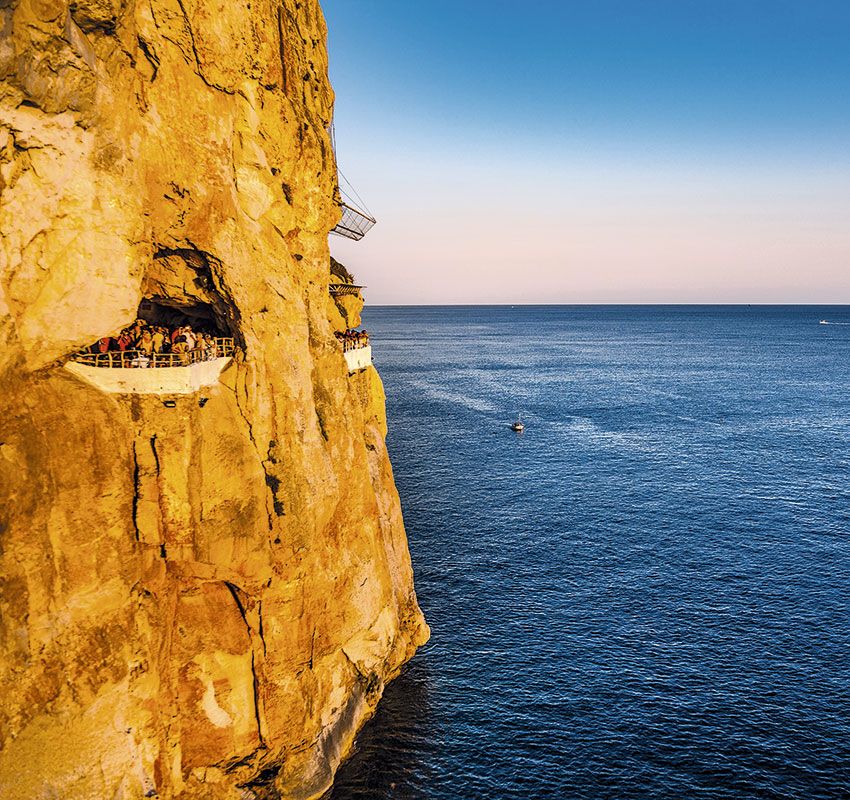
x=162, y=380
x=134, y=372
x=358, y=358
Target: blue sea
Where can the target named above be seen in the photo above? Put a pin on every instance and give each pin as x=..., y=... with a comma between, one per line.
x=647, y=593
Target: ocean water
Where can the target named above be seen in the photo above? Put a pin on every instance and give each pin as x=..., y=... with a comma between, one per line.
x=646, y=594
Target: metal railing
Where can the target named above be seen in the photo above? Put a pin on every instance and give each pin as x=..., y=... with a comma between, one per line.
x=354, y=223
x=341, y=289
x=136, y=359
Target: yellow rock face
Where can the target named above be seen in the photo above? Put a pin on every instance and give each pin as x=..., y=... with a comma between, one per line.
x=349, y=307
x=202, y=600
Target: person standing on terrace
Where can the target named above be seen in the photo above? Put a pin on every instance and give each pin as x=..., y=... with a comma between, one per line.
x=158, y=340
x=180, y=346
x=145, y=343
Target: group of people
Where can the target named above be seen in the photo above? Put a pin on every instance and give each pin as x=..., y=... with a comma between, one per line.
x=352, y=339
x=142, y=341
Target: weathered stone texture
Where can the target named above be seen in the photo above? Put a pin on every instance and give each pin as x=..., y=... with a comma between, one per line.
x=191, y=598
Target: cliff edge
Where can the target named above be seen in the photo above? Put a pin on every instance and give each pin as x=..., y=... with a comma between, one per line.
x=202, y=594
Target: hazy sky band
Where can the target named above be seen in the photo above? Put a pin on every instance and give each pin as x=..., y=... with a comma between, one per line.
x=597, y=151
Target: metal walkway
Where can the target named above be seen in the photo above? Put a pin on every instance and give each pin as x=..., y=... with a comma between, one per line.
x=354, y=224
x=342, y=289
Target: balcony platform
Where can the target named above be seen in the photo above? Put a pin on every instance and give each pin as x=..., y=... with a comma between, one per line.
x=343, y=289
x=353, y=223
x=160, y=380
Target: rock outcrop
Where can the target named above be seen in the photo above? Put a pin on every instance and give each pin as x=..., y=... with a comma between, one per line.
x=200, y=596
x=340, y=272
x=348, y=306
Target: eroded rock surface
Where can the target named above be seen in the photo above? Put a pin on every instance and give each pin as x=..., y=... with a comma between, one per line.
x=203, y=600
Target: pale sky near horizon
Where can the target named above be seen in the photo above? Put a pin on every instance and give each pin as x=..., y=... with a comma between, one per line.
x=593, y=152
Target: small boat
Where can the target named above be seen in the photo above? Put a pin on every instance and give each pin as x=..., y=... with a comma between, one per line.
x=518, y=425
x=824, y=322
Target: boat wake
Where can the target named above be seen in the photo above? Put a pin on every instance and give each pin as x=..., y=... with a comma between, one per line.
x=827, y=322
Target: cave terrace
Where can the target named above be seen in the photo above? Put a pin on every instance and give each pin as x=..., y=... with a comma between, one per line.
x=131, y=372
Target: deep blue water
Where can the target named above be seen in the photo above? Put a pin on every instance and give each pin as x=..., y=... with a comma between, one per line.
x=645, y=595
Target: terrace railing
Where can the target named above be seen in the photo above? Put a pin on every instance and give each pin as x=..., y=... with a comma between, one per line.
x=136, y=359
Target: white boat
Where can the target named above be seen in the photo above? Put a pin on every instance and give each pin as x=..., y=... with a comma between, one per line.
x=824, y=322
x=518, y=425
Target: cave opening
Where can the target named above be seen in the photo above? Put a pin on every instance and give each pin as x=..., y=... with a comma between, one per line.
x=168, y=313
x=182, y=286
x=166, y=333
x=185, y=316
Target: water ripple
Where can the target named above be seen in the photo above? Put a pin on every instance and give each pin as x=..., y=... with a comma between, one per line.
x=646, y=594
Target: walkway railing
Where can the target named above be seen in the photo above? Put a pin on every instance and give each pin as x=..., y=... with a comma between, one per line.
x=340, y=289
x=136, y=359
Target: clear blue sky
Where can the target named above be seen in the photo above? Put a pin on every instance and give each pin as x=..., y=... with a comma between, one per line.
x=605, y=151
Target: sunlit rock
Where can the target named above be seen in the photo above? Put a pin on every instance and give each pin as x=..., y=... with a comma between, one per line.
x=205, y=590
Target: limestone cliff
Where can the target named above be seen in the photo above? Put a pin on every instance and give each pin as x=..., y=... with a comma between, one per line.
x=200, y=596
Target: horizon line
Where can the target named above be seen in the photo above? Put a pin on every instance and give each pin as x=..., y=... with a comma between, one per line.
x=701, y=304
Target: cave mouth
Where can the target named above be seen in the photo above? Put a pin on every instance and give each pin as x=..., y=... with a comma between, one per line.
x=184, y=286
x=169, y=313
